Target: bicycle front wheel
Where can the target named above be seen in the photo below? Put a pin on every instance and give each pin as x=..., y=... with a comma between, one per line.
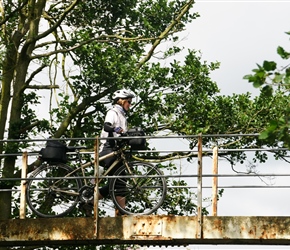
x=51, y=192
x=141, y=189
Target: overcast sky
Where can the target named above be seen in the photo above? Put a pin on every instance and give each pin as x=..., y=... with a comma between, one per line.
x=240, y=34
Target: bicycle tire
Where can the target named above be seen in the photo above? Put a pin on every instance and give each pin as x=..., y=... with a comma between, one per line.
x=144, y=193
x=47, y=191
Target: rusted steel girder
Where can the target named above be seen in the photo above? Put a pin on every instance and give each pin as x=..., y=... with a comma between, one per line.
x=145, y=230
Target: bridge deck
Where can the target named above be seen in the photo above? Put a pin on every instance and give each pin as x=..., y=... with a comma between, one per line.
x=146, y=230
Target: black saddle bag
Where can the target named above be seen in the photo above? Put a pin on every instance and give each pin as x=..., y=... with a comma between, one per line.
x=54, y=151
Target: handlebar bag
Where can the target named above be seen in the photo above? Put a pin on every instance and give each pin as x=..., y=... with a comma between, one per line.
x=136, y=143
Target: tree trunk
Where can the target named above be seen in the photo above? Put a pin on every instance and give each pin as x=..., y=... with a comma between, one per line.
x=16, y=66
x=7, y=79
x=8, y=169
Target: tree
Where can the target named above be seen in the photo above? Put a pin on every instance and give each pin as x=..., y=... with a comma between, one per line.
x=273, y=80
x=38, y=36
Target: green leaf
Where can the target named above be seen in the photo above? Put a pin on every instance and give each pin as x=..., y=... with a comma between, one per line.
x=278, y=78
x=284, y=54
x=267, y=90
x=269, y=65
x=257, y=84
x=264, y=135
x=287, y=72
x=272, y=126
x=248, y=77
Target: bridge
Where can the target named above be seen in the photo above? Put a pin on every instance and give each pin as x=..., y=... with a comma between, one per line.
x=146, y=230
x=163, y=229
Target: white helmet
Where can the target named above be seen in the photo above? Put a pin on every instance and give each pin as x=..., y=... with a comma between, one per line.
x=122, y=94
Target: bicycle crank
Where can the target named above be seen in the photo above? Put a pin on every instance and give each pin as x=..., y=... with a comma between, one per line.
x=86, y=194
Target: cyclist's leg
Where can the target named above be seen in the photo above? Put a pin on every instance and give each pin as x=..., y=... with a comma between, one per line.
x=122, y=202
x=144, y=193
x=104, y=191
x=120, y=184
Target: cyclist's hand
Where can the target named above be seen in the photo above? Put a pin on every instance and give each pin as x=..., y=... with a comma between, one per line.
x=118, y=130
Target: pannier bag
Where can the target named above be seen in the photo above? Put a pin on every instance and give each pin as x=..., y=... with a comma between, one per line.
x=136, y=143
x=54, y=151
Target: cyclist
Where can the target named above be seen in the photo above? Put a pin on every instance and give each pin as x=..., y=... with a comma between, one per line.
x=115, y=123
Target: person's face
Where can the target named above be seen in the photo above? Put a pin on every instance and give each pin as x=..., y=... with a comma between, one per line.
x=127, y=104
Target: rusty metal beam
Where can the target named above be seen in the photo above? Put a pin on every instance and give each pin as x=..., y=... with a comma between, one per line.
x=199, y=189
x=145, y=230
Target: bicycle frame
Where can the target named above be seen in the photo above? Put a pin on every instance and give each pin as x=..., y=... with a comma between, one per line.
x=56, y=188
x=88, y=164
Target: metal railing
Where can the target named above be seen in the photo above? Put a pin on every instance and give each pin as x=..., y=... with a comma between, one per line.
x=198, y=152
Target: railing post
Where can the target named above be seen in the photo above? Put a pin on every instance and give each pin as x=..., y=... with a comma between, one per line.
x=199, y=191
x=22, y=212
x=96, y=190
x=214, y=181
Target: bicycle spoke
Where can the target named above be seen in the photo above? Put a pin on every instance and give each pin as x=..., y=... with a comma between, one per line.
x=143, y=194
x=49, y=193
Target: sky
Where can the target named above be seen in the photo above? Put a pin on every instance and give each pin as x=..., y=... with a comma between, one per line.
x=240, y=34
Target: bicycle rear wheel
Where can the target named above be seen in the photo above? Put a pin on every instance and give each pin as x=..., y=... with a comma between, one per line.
x=49, y=194
x=143, y=190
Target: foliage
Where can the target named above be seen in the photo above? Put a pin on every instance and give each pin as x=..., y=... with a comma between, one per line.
x=65, y=58
x=275, y=82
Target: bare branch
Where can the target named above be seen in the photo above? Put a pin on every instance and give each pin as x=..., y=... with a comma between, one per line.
x=34, y=74
x=80, y=107
x=29, y=127
x=56, y=24
x=42, y=87
x=99, y=40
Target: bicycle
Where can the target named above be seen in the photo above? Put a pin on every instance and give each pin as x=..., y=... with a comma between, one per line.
x=54, y=189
